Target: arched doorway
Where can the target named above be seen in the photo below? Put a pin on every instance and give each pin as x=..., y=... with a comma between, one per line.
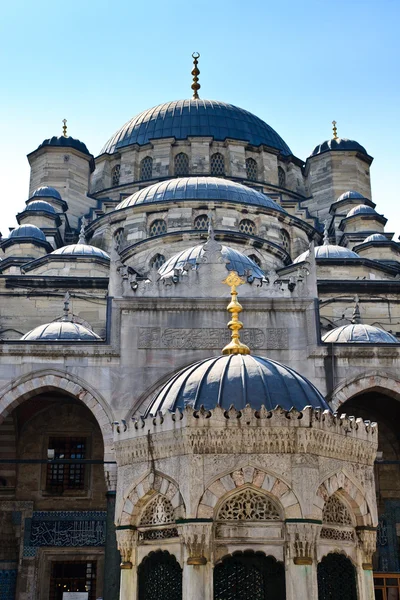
x=160, y=576
x=249, y=576
x=336, y=578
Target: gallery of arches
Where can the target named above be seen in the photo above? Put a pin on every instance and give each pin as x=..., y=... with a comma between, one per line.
x=199, y=368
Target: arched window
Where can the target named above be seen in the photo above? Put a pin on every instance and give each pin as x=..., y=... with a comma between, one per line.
x=285, y=240
x=251, y=169
x=281, y=177
x=255, y=259
x=158, y=227
x=160, y=576
x=201, y=222
x=157, y=261
x=115, y=173
x=217, y=164
x=337, y=521
x=248, y=505
x=247, y=226
x=119, y=238
x=181, y=164
x=146, y=168
x=336, y=578
x=249, y=575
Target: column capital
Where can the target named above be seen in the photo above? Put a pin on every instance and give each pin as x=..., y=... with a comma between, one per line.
x=301, y=537
x=367, y=544
x=125, y=540
x=196, y=538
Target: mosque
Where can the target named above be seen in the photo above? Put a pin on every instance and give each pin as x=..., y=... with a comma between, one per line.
x=200, y=339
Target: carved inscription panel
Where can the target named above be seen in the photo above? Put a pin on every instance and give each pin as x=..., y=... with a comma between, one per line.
x=189, y=339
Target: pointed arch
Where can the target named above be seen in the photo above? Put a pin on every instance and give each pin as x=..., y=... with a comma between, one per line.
x=381, y=381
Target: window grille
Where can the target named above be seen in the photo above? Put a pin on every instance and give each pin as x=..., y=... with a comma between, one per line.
x=336, y=578
x=157, y=261
x=285, y=240
x=251, y=169
x=248, y=505
x=181, y=164
x=247, y=226
x=255, y=259
x=72, y=576
x=119, y=238
x=146, y=168
x=335, y=512
x=63, y=476
x=115, y=173
x=158, y=227
x=217, y=164
x=158, y=512
x=201, y=222
x=281, y=177
x=160, y=576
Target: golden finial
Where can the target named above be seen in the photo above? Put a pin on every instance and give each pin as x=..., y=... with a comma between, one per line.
x=335, y=137
x=235, y=346
x=195, y=85
x=64, y=127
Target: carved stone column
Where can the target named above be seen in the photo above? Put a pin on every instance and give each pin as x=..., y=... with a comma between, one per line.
x=126, y=540
x=367, y=547
x=301, y=564
x=197, y=568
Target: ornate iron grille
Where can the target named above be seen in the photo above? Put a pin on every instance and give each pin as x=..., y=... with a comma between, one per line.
x=281, y=177
x=249, y=576
x=217, y=164
x=247, y=226
x=158, y=534
x=201, y=222
x=181, y=164
x=157, y=227
x=251, y=169
x=115, y=173
x=146, y=168
x=160, y=576
x=285, y=240
x=62, y=477
x=72, y=576
x=335, y=512
x=336, y=578
x=157, y=261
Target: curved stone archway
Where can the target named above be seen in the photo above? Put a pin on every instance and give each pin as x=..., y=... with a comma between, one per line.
x=385, y=383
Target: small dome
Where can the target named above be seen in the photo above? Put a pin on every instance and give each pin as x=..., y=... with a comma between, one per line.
x=237, y=380
x=81, y=250
x=360, y=334
x=61, y=331
x=237, y=261
x=46, y=192
x=361, y=209
x=376, y=237
x=65, y=142
x=196, y=118
x=40, y=205
x=339, y=144
x=28, y=231
x=199, y=188
x=351, y=195
x=328, y=251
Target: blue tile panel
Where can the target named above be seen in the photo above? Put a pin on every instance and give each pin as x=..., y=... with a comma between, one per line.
x=190, y=118
x=8, y=581
x=387, y=541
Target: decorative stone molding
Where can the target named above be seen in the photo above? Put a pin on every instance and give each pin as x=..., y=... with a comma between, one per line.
x=196, y=538
x=126, y=539
x=301, y=538
x=367, y=543
x=363, y=382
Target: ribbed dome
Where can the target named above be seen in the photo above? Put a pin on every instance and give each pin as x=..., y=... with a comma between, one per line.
x=376, y=237
x=328, y=251
x=28, y=231
x=61, y=331
x=46, y=192
x=339, y=144
x=65, y=142
x=237, y=380
x=193, y=118
x=360, y=334
x=81, y=250
x=351, y=195
x=237, y=261
x=199, y=188
x=40, y=205
x=361, y=209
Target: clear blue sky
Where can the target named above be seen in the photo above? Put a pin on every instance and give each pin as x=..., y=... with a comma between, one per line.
x=297, y=65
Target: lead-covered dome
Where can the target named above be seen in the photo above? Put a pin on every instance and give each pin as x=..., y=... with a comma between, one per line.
x=351, y=195
x=28, y=231
x=361, y=209
x=360, y=334
x=237, y=380
x=81, y=250
x=194, y=118
x=328, y=251
x=46, y=191
x=65, y=142
x=199, y=188
x=61, y=331
x=238, y=262
x=338, y=145
x=40, y=206
x=376, y=237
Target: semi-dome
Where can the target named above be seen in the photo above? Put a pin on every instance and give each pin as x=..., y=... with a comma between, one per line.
x=65, y=142
x=199, y=188
x=81, y=250
x=62, y=331
x=237, y=262
x=28, y=231
x=351, y=195
x=329, y=251
x=237, y=380
x=194, y=118
x=338, y=144
x=376, y=237
x=360, y=334
x=46, y=191
x=361, y=209
x=40, y=206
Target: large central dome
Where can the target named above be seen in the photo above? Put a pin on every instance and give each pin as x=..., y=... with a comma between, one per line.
x=186, y=118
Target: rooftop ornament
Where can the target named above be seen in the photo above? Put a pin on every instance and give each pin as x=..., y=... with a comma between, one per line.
x=64, y=121
x=195, y=72
x=66, y=316
x=335, y=135
x=82, y=236
x=235, y=346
